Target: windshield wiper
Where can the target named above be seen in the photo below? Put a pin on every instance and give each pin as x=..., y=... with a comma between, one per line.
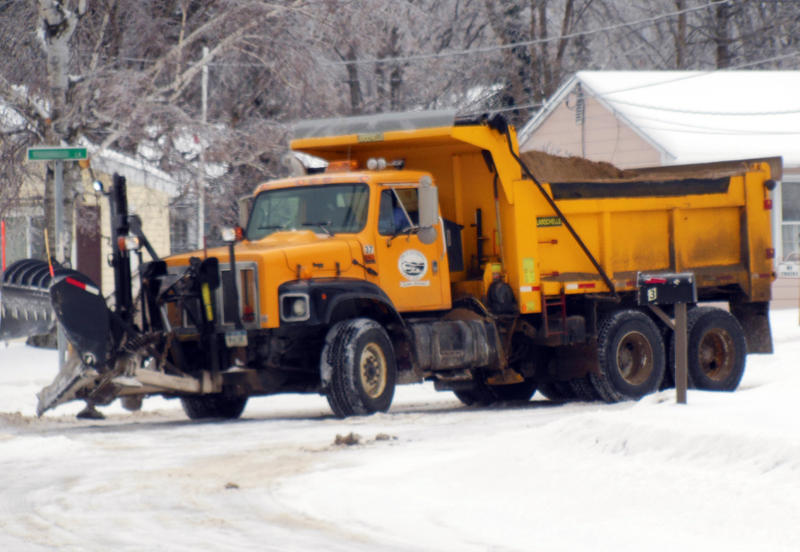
x=323, y=225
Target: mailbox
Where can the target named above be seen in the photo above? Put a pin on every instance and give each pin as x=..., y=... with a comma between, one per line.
x=665, y=288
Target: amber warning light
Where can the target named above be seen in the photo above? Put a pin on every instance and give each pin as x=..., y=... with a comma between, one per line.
x=342, y=166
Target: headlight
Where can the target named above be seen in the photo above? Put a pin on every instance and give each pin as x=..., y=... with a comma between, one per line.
x=294, y=307
x=299, y=308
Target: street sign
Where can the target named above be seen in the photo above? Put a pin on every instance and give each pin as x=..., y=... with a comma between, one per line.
x=56, y=153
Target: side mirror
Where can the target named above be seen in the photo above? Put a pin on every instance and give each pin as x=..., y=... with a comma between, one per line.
x=245, y=205
x=428, y=210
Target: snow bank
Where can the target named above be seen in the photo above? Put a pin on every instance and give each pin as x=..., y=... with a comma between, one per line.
x=721, y=473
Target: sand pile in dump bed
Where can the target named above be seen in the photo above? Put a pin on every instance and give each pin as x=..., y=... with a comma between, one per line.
x=553, y=168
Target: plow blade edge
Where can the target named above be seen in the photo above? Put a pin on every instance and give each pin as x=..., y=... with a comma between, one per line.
x=86, y=321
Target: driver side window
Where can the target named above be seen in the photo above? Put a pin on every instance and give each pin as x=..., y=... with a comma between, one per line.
x=399, y=210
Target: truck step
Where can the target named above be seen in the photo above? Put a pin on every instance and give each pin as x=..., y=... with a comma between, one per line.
x=554, y=314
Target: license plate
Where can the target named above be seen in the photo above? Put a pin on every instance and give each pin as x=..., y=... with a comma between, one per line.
x=236, y=338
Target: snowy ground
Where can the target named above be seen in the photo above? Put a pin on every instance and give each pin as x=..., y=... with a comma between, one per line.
x=722, y=473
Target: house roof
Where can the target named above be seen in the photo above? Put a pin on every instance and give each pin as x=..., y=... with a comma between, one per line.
x=134, y=170
x=698, y=116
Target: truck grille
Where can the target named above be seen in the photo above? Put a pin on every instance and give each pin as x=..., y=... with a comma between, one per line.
x=224, y=300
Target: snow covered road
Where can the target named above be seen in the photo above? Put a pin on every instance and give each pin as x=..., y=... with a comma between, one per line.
x=722, y=473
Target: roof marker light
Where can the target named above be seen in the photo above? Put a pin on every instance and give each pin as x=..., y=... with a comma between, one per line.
x=376, y=163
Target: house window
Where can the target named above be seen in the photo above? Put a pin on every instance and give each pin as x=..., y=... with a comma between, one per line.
x=24, y=238
x=790, y=217
x=179, y=235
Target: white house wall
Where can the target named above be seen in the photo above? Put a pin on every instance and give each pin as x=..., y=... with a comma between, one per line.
x=606, y=137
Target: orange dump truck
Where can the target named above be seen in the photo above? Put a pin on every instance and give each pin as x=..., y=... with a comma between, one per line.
x=429, y=249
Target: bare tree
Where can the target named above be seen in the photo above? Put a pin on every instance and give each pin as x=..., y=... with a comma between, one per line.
x=535, y=68
x=127, y=75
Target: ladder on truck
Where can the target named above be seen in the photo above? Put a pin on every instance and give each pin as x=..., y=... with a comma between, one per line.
x=554, y=314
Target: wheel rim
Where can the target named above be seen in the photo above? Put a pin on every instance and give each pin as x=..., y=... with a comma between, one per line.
x=715, y=354
x=372, y=370
x=635, y=358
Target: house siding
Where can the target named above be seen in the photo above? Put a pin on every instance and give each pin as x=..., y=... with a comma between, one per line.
x=606, y=137
x=153, y=208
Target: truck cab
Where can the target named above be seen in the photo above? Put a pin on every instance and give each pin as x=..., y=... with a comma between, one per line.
x=376, y=214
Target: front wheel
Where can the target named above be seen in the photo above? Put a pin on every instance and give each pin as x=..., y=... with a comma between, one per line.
x=631, y=357
x=362, y=367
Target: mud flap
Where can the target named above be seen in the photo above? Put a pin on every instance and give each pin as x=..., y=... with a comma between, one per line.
x=754, y=318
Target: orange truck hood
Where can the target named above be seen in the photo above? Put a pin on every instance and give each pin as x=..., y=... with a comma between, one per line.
x=317, y=256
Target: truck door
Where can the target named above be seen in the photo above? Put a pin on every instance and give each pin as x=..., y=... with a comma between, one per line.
x=413, y=274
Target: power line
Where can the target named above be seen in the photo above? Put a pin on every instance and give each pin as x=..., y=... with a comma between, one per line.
x=499, y=47
x=698, y=74
x=713, y=113
x=501, y=109
x=723, y=132
x=453, y=53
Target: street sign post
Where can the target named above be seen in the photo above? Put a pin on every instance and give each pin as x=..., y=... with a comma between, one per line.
x=57, y=153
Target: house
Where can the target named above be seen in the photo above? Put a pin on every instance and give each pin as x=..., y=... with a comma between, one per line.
x=649, y=118
x=152, y=194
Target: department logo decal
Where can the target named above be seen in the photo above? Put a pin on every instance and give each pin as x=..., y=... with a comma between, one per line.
x=412, y=264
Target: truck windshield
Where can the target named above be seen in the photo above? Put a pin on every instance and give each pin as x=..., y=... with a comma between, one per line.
x=327, y=209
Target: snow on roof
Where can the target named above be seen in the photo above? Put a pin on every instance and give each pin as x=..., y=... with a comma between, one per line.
x=135, y=170
x=699, y=116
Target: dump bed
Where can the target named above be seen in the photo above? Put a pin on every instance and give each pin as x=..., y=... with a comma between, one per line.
x=713, y=219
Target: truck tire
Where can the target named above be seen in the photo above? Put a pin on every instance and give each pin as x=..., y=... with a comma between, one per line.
x=198, y=407
x=583, y=389
x=630, y=352
x=516, y=392
x=483, y=395
x=364, y=372
x=479, y=394
x=716, y=349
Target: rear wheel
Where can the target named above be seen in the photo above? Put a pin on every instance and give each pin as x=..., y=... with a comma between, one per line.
x=198, y=407
x=363, y=371
x=479, y=394
x=583, y=389
x=558, y=391
x=631, y=357
x=716, y=349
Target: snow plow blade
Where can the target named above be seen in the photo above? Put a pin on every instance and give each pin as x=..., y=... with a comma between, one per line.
x=73, y=378
x=86, y=321
x=31, y=300
x=84, y=316
x=25, y=308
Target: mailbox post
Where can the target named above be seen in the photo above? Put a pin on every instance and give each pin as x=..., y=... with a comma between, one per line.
x=677, y=289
